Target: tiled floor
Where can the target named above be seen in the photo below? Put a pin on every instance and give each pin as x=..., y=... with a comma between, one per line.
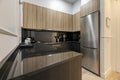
x=86, y=75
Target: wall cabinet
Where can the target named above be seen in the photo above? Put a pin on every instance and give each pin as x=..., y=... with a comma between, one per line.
x=40, y=18
x=91, y=6
x=29, y=16
x=76, y=22
x=37, y=17
x=51, y=20
x=59, y=21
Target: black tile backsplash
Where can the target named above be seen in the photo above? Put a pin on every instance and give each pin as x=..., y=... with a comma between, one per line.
x=50, y=36
x=69, y=40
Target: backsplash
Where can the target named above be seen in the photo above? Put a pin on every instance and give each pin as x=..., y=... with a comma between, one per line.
x=50, y=36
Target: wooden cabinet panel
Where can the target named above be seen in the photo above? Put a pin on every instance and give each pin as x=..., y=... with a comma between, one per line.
x=76, y=22
x=68, y=68
x=36, y=17
x=39, y=18
x=25, y=12
x=29, y=16
x=44, y=14
x=70, y=23
x=91, y=6
x=59, y=22
x=49, y=19
x=54, y=20
x=65, y=23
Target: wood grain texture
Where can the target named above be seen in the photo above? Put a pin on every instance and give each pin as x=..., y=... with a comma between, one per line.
x=37, y=17
x=91, y=6
x=59, y=21
x=35, y=63
x=76, y=22
x=44, y=14
x=29, y=16
x=25, y=12
x=68, y=70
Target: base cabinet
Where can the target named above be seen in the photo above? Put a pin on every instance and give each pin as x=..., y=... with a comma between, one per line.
x=68, y=70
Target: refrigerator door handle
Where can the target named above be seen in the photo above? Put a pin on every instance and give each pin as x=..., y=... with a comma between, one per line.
x=87, y=47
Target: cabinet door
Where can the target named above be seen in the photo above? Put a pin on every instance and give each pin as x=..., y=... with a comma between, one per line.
x=70, y=23
x=34, y=16
x=66, y=22
x=39, y=17
x=44, y=15
x=78, y=21
x=25, y=12
x=59, y=21
x=31, y=16
x=30, y=19
x=74, y=22
x=54, y=20
x=49, y=20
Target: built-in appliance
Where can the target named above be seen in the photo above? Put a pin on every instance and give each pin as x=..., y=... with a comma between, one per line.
x=90, y=39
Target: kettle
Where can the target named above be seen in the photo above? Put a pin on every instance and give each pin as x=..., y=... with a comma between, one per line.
x=28, y=41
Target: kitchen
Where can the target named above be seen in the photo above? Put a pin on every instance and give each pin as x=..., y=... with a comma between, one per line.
x=48, y=37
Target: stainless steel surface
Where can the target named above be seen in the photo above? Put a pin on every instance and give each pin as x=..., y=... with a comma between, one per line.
x=90, y=42
x=90, y=59
x=89, y=30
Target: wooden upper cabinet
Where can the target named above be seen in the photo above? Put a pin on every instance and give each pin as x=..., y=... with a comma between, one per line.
x=25, y=13
x=59, y=21
x=29, y=16
x=54, y=20
x=76, y=22
x=70, y=22
x=90, y=7
x=34, y=16
x=49, y=19
x=39, y=17
x=67, y=22
x=44, y=15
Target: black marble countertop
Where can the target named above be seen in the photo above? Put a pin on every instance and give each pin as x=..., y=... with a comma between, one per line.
x=41, y=49
x=34, y=58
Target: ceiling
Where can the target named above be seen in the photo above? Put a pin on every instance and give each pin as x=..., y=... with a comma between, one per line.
x=71, y=1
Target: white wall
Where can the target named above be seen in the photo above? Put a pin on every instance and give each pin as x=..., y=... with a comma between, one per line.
x=9, y=23
x=58, y=5
x=105, y=37
x=9, y=15
x=115, y=35
x=76, y=6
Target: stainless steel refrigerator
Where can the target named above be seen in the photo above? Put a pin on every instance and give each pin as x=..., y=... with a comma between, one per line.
x=90, y=40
